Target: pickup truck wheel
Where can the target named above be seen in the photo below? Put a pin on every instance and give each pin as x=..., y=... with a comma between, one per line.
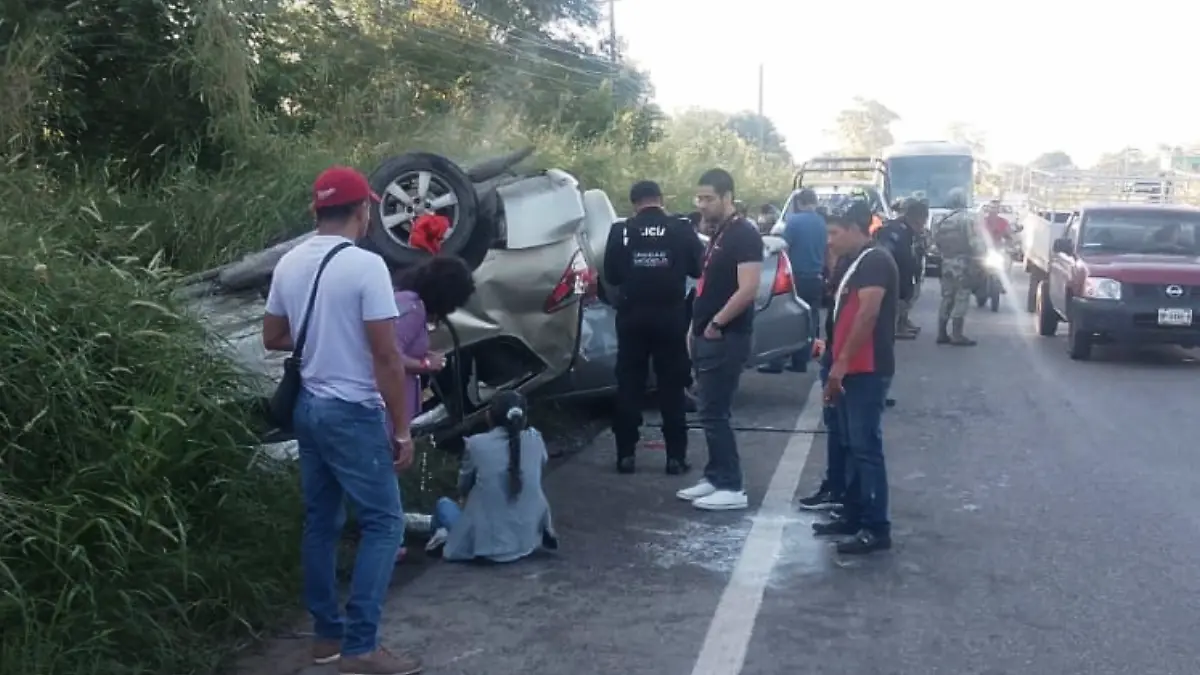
x=1047, y=318
x=1079, y=344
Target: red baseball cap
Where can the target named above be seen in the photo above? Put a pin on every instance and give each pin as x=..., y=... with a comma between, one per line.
x=341, y=185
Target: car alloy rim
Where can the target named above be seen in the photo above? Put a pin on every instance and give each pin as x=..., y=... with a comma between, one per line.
x=413, y=194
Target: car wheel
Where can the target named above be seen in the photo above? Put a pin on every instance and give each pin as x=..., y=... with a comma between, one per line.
x=980, y=300
x=994, y=302
x=1047, y=318
x=418, y=183
x=1079, y=343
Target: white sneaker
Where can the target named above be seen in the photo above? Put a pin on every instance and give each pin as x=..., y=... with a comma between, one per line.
x=722, y=500
x=701, y=489
x=438, y=539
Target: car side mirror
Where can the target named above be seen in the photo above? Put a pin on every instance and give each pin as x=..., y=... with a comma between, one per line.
x=1063, y=245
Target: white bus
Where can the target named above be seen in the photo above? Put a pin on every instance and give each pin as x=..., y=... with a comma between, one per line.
x=931, y=168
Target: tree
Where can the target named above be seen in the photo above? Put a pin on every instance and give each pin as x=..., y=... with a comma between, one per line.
x=144, y=80
x=1049, y=161
x=985, y=177
x=961, y=132
x=865, y=127
x=760, y=132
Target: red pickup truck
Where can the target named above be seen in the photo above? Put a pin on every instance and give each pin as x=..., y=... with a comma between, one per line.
x=1124, y=273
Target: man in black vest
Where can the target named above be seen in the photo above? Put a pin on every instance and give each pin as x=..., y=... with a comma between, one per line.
x=649, y=257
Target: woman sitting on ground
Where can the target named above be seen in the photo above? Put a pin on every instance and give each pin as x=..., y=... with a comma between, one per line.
x=506, y=516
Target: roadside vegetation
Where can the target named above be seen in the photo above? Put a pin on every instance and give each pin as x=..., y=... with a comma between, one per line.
x=141, y=141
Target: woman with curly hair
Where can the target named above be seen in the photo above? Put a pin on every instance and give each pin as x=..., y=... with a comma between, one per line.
x=426, y=293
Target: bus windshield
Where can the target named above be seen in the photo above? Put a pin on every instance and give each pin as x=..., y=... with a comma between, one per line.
x=933, y=175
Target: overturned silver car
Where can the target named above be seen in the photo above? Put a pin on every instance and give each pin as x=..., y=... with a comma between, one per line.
x=537, y=323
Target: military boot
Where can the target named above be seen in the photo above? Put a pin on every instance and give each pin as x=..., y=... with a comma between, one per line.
x=957, y=338
x=943, y=337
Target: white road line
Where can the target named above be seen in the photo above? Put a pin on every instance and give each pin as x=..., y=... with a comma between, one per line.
x=728, y=638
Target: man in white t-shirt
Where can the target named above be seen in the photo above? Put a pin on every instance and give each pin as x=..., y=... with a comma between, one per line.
x=353, y=379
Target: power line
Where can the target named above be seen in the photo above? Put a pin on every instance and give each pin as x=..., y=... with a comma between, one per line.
x=762, y=120
x=612, y=30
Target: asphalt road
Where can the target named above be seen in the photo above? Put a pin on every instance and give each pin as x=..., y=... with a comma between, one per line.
x=1046, y=521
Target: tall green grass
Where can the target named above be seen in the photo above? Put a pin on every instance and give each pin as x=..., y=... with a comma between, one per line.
x=135, y=537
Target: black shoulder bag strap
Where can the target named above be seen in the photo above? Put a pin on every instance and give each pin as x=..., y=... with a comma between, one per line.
x=282, y=404
x=302, y=336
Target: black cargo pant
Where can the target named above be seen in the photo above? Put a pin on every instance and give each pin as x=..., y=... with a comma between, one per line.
x=645, y=335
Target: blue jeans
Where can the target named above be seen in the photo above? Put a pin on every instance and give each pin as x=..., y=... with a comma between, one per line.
x=345, y=453
x=719, y=364
x=859, y=423
x=446, y=513
x=835, y=452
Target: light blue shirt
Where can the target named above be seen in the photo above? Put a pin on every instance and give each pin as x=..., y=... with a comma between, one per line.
x=492, y=525
x=807, y=241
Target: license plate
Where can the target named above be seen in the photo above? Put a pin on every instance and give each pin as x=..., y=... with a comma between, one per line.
x=1174, y=317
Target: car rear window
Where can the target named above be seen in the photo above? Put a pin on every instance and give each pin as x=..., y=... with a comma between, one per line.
x=1141, y=231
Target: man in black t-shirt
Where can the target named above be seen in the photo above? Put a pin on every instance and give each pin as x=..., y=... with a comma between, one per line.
x=862, y=358
x=722, y=322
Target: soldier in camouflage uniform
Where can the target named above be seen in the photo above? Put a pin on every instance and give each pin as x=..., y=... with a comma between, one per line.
x=961, y=246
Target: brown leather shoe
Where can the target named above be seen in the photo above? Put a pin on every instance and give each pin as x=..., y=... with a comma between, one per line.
x=326, y=651
x=380, y=662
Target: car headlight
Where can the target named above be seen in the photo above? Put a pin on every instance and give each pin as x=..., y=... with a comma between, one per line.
x=994, y=259
x=1100, y=288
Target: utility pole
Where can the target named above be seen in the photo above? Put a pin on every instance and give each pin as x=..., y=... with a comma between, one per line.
x=762, y=120
x=612, y=30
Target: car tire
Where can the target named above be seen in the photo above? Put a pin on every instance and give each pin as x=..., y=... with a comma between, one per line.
x=980, y=300
x=994, y=302
x=1079, y=343
x=471, y=235
x=1047, y=318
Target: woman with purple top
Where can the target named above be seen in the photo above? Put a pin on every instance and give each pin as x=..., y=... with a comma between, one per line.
x=426, y=293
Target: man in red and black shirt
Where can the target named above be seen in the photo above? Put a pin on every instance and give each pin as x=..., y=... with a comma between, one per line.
x=862, y=357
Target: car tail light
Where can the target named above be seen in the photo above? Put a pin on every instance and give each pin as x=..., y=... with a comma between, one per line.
x=783, y=284
x=579, y=279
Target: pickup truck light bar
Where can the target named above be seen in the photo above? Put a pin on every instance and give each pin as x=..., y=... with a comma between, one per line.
x=821, y=167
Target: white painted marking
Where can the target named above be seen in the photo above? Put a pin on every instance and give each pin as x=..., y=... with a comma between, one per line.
x=728, y=638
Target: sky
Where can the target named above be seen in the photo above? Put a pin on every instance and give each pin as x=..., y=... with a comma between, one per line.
x=1033, y=77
